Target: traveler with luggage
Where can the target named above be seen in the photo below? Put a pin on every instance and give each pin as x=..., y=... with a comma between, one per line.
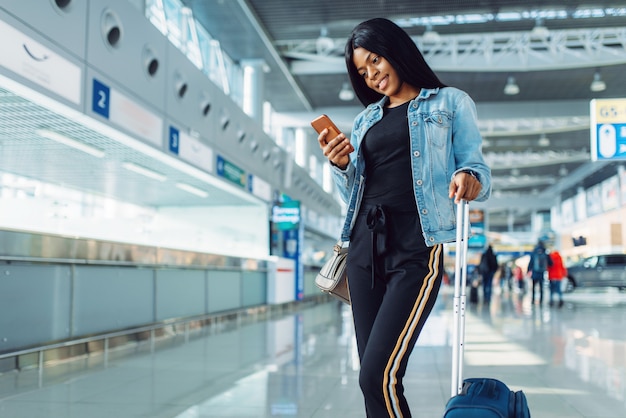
x=537, y=267
x=413, y=152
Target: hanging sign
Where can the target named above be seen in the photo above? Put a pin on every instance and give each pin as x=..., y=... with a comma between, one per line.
x=231, y=172
x=33, y=61
x=126, y=113
x=190, y=149
x=608, y=129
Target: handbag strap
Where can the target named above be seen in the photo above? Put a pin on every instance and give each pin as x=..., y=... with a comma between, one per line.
x=339, y=246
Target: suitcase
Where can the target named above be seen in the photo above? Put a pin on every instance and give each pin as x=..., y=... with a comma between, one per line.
x=474, y=295
x=475, y=397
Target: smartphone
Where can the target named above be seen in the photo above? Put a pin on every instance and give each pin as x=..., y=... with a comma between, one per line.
x=322, y=122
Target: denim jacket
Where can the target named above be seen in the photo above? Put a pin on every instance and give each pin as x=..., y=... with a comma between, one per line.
x=444, y=139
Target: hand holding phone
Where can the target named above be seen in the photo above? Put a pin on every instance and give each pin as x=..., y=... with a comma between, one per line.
x=323, y=122
x=338, y=152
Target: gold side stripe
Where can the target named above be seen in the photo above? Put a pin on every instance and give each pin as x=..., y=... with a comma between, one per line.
x=389, y=380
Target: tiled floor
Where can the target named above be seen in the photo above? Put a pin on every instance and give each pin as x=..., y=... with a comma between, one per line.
x=570, y=362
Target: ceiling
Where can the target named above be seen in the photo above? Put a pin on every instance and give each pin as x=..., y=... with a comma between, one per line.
x=553, y=68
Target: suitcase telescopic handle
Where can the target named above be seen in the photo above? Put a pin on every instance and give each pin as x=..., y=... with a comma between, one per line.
x=460, y=284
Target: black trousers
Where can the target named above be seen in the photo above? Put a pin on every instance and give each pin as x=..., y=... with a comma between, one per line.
x=392, y=292
x=537, y=282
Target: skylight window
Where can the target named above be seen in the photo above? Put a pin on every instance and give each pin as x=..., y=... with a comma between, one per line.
x=513, y=16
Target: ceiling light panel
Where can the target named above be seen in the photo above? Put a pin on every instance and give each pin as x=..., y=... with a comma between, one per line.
x=70, y=142
x=25, y=153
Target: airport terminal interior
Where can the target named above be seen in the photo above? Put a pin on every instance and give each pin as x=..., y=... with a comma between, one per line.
x=165, y=206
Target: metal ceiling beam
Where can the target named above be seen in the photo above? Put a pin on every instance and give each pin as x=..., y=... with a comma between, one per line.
x=495, y=119
x=509, y=160
x=524, y=182
x=517, y=203
x=530, y=126
x=573, y=179
x=492, y=52
x=546, y=199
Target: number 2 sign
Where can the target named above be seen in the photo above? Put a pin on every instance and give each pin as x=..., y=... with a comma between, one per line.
x=101, y=98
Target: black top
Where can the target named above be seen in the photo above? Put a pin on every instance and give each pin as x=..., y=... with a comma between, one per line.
x=387, y=154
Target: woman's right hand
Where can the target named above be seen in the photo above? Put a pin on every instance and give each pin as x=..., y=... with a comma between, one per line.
x=337, y=149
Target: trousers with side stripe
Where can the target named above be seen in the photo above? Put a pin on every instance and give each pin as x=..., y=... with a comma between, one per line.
x=392, y=293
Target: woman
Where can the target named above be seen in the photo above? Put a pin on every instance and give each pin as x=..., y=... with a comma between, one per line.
x=413, y=152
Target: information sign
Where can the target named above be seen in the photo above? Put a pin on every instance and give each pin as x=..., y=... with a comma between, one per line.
x=286, y=215
x=477, y=238
x=191, y=149
x=608, y=129
x=39, y=64
x=230, y=172
x=259, y=187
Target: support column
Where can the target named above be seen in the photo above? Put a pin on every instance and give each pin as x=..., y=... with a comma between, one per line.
x=510, y=220
x=254, y=87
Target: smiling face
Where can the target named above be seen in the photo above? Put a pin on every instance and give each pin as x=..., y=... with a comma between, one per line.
x=380, y=76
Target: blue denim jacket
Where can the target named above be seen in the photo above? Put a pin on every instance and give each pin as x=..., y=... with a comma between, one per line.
x=444, y=140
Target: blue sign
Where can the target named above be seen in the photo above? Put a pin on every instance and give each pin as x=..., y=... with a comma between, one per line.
x=608, y=129
x=231, y=172
x=286, y=215
x=174, y=140
x=477, y=241
x=611, y=141
x=100, y=102
x=292, y=248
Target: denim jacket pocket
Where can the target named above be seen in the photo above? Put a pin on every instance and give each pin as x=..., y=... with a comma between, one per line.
x=437, y=125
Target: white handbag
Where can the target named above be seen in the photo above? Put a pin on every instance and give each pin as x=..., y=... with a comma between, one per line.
x=333, y=278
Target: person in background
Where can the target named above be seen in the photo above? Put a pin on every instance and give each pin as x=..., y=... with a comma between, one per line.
x=506, y=276
x=537, y=267
x=556, y=273
x=414, y=151
x=518, y=276
x=474, y=282
x=488, y=267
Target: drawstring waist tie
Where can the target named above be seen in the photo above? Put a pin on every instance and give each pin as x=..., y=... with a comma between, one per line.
x=376, y=223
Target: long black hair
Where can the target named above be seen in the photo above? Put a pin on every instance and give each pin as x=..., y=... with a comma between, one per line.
x=385, y=38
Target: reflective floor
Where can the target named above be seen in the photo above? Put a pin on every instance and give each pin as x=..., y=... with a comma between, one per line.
x=570, y=362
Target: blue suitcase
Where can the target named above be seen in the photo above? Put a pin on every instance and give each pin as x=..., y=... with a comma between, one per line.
x=476, y=397
x=487, y=398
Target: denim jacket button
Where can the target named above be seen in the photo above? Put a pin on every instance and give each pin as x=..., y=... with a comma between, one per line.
x=431, y=239
x=416, y=154
x=424, y=211
x=419, y=182
x=414, y=123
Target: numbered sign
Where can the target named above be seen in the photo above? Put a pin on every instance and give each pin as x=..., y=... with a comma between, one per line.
x=101, y=99
x=608, y=129
x=174, y=139
x=123, y=111
x=191, y=149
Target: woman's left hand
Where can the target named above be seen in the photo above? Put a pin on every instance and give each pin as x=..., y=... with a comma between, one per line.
x=464, y=186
